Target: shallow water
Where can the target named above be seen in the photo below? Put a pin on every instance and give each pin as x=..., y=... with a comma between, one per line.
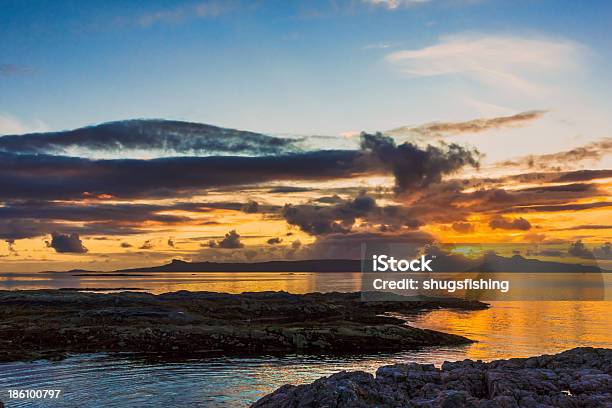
x=507, y=329
x=232, y=282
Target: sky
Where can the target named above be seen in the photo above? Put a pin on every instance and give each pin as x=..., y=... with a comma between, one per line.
x=525, y=83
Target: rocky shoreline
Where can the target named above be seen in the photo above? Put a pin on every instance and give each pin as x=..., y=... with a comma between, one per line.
x=50, y=324
x=581, y=377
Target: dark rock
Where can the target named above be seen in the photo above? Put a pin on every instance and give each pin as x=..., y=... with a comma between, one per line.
x=581, y=377
x=50, y=323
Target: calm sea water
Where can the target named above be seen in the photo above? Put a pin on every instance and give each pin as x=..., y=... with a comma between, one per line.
x=507, y=329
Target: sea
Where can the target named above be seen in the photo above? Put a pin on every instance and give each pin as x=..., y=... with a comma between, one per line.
x=505, y=330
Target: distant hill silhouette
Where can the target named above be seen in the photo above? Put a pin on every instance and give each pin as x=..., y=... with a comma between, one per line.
x=322, y=265
x=496, y=263
x=487, y=263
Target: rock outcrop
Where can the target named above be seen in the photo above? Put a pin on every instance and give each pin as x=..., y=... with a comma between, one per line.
x=51, y=323
x=581, y=377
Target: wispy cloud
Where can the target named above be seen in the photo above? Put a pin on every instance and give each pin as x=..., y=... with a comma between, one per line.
x=10, y=125
x=15, y=69
x=380, y=45
x=519, y=63
x=441, y=129
x=567, y=159
x=207, y=9
x=395, y=4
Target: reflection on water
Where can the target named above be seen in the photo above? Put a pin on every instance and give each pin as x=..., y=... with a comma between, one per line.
x=232, y=282
x=507, y=329
x=526, y=328
x=98, y=380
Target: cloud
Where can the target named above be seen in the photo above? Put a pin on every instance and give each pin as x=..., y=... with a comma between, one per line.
x=153, y=137
x=561, y=207
x=41, y=176
x=510, y=224
x=289, y=189
x=250, y=207
x=274, y=241
x=509, y=61
x=11, y=246
x=14, y=69
x=565, y=159
x=585, y=227
x=230, y=241
x=339, y=218
x=27, y=219
x=64, y=243
x=205, y=9
x=380, y=46
x=147, y=245
x=416, y=168
x=394, y=4
x=603, y=252
x=11, y=125
x=46, y=176
x=126, y=214
x=348, y=246
x=584, y=175
x=463, y=227
x=442, y=129
x=579, y=250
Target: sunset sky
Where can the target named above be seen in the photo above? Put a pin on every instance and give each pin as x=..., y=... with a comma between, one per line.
x=483, y=121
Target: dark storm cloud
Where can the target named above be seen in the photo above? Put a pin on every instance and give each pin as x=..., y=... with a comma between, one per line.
x=45, y=176
x=66, y=243
x=92, y=212
x=572, y=188
x=318, y=220
x=510, y=224
x=414, y=167
x=163, y=135
x=341, y=216
x=21, y=228
x=584, y=175
x=27, y=219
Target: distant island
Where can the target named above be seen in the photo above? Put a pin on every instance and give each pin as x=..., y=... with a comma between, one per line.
x=312, y=265
x=452, y=263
